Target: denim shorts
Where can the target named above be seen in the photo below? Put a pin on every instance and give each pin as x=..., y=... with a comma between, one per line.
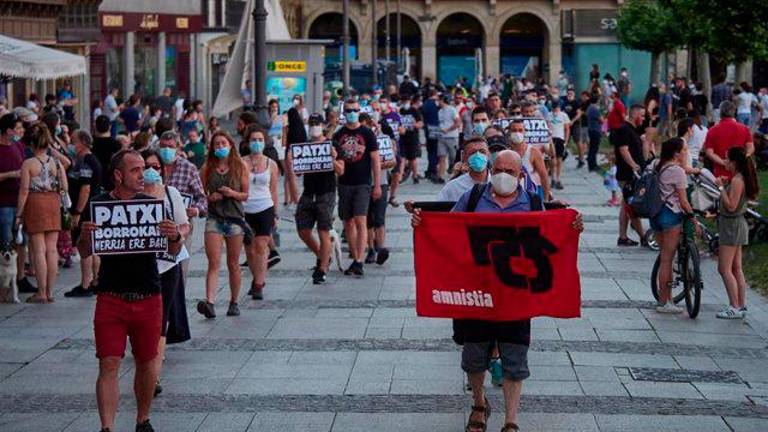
x=475, y=357
x=666, y=219
x=227, y=229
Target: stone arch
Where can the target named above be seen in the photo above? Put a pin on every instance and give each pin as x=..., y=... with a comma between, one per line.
x=458, y=35
x=333, y=50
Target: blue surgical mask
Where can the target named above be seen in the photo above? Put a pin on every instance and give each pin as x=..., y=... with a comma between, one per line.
x=151, y=176
x=363, y=102
x=478, y=162
x=221, y=153
x=256, y=146
x=352, y=117
x=167, y=154
x=58, y=130
x=15, y=138
x=72, y=150
x=480, y=128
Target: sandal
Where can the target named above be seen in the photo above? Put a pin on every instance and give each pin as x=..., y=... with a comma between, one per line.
x=473, y=424
x=34, y=298
x=393, y=202
x=510, y=427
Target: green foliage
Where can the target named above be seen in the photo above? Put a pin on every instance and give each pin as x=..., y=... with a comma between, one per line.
x=647, y=25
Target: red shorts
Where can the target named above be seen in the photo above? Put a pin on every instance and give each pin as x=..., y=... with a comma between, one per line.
x=116, y=319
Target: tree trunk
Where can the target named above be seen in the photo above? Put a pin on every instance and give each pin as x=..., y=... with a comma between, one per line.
x=705, y=77
x=655, y=67
x=744, y=72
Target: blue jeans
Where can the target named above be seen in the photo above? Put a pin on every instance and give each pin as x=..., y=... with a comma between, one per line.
x=7, y=218
x=744, y=118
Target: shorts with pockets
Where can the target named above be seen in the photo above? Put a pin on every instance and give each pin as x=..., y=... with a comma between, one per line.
x=115, y=320
x=353, y=200
x=559, y=147
x=261, y=223
x=447, y=146
x=475, y=357
x=315, y=209
x=377, y=210
x=224, y=228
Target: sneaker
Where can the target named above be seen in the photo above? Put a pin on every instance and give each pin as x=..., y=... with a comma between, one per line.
x=318, y=277
x=743, y=311
x=273, y=259
x=25, y=286
x=730, y=313
x=439, y=180
x=626, y=242
x=580, y=164
x=355, y=269
x=669, y=308
x=256, y=292
x=416, y=179
x=79, y=291
x=370, y=258
x=144, y=426
x=393, y=202
x=382, y=256
x=206, y=309
x=497, y=377
x=106, y=430
x=158, y=388
x=233, y=309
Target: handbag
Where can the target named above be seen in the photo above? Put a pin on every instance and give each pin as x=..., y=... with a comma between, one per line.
x=65, y=201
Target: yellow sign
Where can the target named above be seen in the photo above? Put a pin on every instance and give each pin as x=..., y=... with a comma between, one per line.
x=290, y=66
x=112, y=20
x=182, y=23
x=150, y=21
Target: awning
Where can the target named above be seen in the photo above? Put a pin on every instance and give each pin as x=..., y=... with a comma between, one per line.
x=21, y=59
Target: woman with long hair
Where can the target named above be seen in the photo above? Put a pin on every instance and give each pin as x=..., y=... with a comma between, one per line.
x=668, y=223
x=39, y=208
x=260, y=211
x=733, y=229
x=225, y=182
x=175, y=326
x=295, y=132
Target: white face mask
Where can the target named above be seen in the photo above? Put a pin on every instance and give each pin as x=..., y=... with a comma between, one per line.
x=315, y=131
x=516, y=137
x=503, y=184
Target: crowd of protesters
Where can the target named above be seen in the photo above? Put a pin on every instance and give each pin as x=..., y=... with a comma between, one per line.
x=51, y=168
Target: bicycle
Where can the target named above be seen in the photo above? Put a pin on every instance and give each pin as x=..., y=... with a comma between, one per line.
x=686, y=273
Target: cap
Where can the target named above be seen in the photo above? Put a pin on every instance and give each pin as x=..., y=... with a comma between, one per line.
x=497, y=143
x=315, y=119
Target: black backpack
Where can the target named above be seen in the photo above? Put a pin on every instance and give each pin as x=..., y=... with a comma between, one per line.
x=647, y=200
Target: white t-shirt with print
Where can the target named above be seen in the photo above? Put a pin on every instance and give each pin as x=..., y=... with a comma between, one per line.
x=558, y=122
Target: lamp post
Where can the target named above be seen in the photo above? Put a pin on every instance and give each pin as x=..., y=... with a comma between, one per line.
x=345, y=46
x=260, y=63
x=399, y=37
x=374, y=45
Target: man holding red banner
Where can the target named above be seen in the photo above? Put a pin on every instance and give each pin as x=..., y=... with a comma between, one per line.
x=479, y=336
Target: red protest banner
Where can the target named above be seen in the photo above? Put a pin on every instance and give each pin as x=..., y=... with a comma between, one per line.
x=497, y=267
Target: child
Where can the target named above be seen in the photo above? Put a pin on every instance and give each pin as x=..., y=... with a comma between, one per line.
x=612, y=185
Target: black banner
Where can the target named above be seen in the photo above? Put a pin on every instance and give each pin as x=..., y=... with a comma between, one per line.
x=128, y=227
x=312, y=157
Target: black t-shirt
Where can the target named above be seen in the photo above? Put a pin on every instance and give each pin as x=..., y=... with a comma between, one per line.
x=85, y=171
x=131, y=117
x=354, y=147
x=104, y=148
x=129, y=273
x=319, y=183
x=627, y=135
x=411, y=136
x=584, y=106
x=571, y=107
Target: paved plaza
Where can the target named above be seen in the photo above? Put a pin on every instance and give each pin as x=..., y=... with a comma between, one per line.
x=351, y=355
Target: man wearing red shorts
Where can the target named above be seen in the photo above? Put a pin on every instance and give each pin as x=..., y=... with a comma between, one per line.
x=129, y=304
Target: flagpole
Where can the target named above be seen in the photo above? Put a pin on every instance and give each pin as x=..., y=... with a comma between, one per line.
x=374, y=45
x=260, y=62
x=345, y=43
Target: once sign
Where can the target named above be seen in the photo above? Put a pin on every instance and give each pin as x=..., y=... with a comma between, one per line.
x=312, y=157
x=128, y=227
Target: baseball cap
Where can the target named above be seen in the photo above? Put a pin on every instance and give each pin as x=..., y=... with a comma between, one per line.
x=315, y=119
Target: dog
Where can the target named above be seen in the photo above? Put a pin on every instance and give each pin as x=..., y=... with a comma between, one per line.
x=336, y=244
x=9, y=291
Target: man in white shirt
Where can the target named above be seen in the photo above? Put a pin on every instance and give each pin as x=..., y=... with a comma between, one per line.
x=178, y=108
x=448, y=144
x=561, y=131
x=111, y=109
x=475, y=162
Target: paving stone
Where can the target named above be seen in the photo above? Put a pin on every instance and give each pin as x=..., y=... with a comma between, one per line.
x=13, y=422
x=603, y=388
x=401, y=422
x=292, y=421
x=683, y=375
x=226, y=422
x=637, y=423
x=662, y=389
x=739, y=424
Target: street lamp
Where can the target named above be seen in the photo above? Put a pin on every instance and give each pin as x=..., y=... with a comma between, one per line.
x=374, y=45
x=345, y=44
x=260, y=63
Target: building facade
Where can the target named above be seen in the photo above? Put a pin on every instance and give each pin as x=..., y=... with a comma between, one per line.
x=445, y=38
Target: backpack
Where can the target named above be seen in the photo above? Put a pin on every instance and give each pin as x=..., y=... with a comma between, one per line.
x=479, y=189
x=647, y=200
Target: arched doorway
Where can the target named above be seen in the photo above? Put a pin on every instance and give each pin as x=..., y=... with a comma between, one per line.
x=458, y=37
x=330, y=26
x=411, y=39
x=522, y=41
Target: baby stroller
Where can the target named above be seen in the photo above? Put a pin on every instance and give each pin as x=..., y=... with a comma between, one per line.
x=705, y=200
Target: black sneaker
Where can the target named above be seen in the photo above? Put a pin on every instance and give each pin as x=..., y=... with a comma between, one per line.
x=25, y=286
x=318, y=277
x=79, y=291
x=370, y=258
x=144, y=426
x=580, y=164
x=257, y=292
x=440, y=180
x=206, y=309
x=273, y=259
x=416, y=179
x=158, y=388
x=355, y=269
x=233, y=310
x=626, y=242
x=382, y=256
x=106, y=430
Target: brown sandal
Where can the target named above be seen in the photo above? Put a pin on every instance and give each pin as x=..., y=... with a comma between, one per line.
x=473, y=424
x=510, y=427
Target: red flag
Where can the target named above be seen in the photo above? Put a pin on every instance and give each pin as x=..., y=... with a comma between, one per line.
x=497, y=266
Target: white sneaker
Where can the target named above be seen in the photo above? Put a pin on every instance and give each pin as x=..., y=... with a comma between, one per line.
x=743, y=311
x=669, y=308
x=730, y=313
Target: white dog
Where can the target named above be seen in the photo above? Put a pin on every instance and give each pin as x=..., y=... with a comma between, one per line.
x=9, y=291
x=336, y=244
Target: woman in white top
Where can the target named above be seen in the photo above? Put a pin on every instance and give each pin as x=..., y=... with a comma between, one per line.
x=175, y=326
x=745, y=100
x=260, y=211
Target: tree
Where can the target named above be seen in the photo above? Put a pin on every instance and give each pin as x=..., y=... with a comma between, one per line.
x=648, y=25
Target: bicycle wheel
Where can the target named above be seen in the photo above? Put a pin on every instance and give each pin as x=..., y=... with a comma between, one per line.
x=692, y=280
x=678, y=293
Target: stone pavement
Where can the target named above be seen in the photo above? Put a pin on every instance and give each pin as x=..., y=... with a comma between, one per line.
x=352, y=355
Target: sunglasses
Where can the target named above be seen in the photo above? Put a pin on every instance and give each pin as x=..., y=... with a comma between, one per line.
x=155, y=166
x=351, y=110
